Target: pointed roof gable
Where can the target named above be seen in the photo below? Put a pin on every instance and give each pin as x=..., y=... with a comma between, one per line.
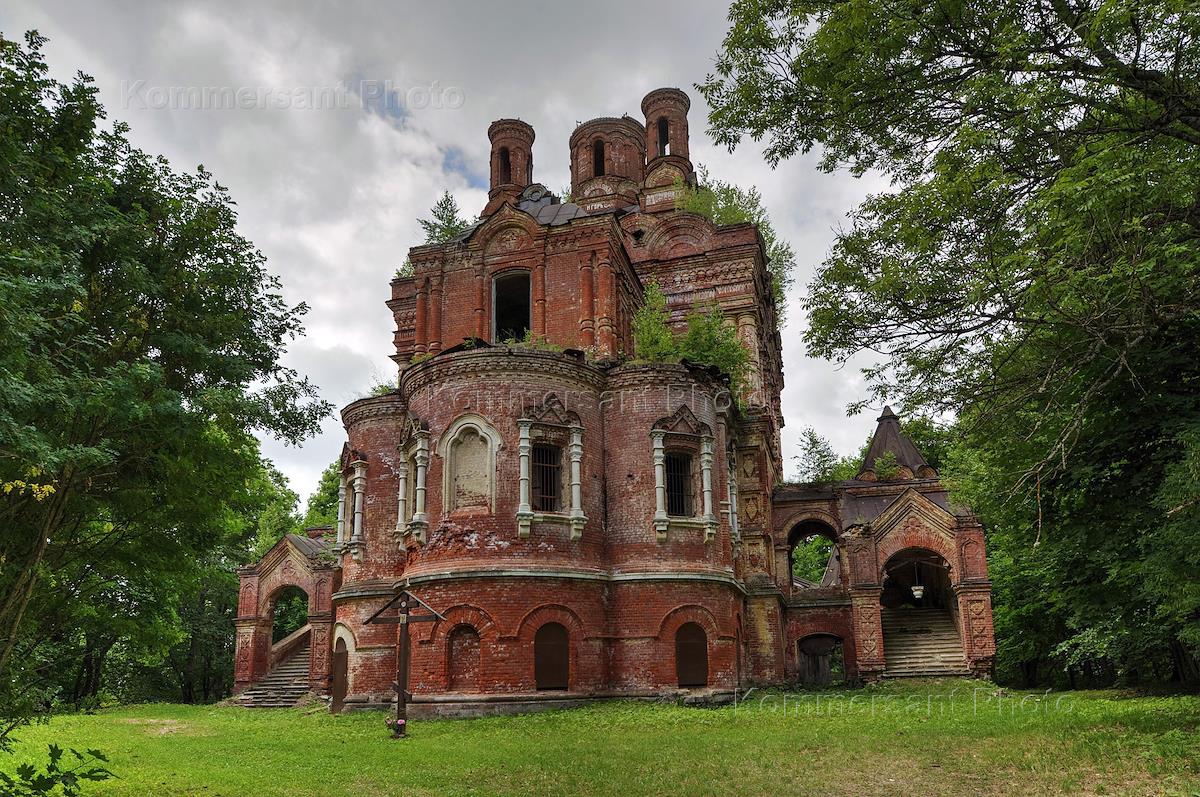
x=888, y=437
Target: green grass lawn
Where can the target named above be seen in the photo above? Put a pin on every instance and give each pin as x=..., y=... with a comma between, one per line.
x=929, y=738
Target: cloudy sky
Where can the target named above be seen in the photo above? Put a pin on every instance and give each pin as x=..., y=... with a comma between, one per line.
x=404, y=94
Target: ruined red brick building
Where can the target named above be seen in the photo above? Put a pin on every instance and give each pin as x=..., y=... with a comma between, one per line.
x=592, y=525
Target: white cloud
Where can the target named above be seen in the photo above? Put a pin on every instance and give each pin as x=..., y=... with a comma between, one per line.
x=331, y=196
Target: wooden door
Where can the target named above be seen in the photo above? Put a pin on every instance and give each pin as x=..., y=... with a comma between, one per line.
x=551, y=657
x=691, y=655
x=341, y=666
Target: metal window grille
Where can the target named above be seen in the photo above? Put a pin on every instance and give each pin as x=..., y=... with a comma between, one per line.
x=679, y=484
x=547, y=478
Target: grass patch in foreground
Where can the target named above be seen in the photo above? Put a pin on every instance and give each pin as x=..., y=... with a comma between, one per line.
x=928, y=738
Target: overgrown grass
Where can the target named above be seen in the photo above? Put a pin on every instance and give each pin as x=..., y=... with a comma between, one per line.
x=929, y=738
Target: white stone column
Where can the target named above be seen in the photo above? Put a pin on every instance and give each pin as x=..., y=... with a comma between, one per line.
x=419, y=524
x=706, y=463
x=359, y=484
x=525, y=453
x=578, y=519
x=341, y=511
x=401, y=498
x=660, y=485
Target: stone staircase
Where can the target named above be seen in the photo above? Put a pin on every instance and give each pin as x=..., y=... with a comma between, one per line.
x=283, y=686
x=921, y=642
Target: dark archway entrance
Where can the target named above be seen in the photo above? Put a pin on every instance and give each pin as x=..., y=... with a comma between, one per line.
x=341, y=671
x=920, y=624
x=462, y=659
x=691, y=656
x=820, y=660
x=551, y=657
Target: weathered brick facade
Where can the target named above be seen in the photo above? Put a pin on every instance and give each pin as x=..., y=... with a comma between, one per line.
x=522, y=486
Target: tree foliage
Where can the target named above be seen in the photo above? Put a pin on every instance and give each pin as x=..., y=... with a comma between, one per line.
x=141, y=355
x=1032, y=272
x=725, y=203
x=707, y=339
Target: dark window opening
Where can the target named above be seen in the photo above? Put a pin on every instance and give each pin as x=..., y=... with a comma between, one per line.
x=547, y=478
x=598, y=159
x=551, y=657
x=511, y=306
x=679, y=484
x=820, y=660
x=505, y=166
x=664, y=136
x=691, y=655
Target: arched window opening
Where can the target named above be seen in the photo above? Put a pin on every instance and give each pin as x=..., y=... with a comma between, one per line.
x=290, y=613
x=812, y=556
x=547, y=478
x=505, y=166
x=820, y=660
x=551, y=657
x=598, y=158
x=664, y=136
x=691, y=656
x=462, y=659
x=341, y=670
x=679, y=483
x=511, y=306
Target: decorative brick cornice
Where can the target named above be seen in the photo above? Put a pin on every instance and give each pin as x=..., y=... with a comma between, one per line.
x=392, y=404
x=500, y=360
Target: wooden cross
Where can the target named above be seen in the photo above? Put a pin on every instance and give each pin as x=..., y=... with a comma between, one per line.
x=405, y=602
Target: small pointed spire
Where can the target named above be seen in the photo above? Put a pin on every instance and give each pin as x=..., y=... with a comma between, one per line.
x=889, y=438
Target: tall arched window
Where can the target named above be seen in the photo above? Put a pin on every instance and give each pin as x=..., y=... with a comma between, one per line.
x=691, y=655
x=664, y=136
x=598, y=158
x=551, y=657
x=505, y=166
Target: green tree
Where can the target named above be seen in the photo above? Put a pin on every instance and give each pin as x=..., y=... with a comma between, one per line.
x=726, y=203
x=321, y=509
x=707, y=339
x=810, y=557
x=141, y=353
x=817, y=461
x=1032, y=271
x=445, y=220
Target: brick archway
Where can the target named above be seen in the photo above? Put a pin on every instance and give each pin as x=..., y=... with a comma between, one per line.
x=293, y=562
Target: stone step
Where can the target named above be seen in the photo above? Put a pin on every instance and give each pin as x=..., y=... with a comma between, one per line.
x=921, y=642
x=282, y=687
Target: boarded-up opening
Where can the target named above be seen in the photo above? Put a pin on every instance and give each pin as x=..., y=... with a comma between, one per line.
x=691, y=655
x=462, y=659
x=472, y=472
x=820, y=660
x=510, y=306
x=551, y=657
x=341, y=667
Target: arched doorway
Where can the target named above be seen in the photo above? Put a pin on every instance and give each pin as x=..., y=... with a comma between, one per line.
x=918, y=613
x=820, y=660
x=812, y=555
x=691, y=656
x=289, y=613
x=462, y=659
x=341, y=668
x=551, y=657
